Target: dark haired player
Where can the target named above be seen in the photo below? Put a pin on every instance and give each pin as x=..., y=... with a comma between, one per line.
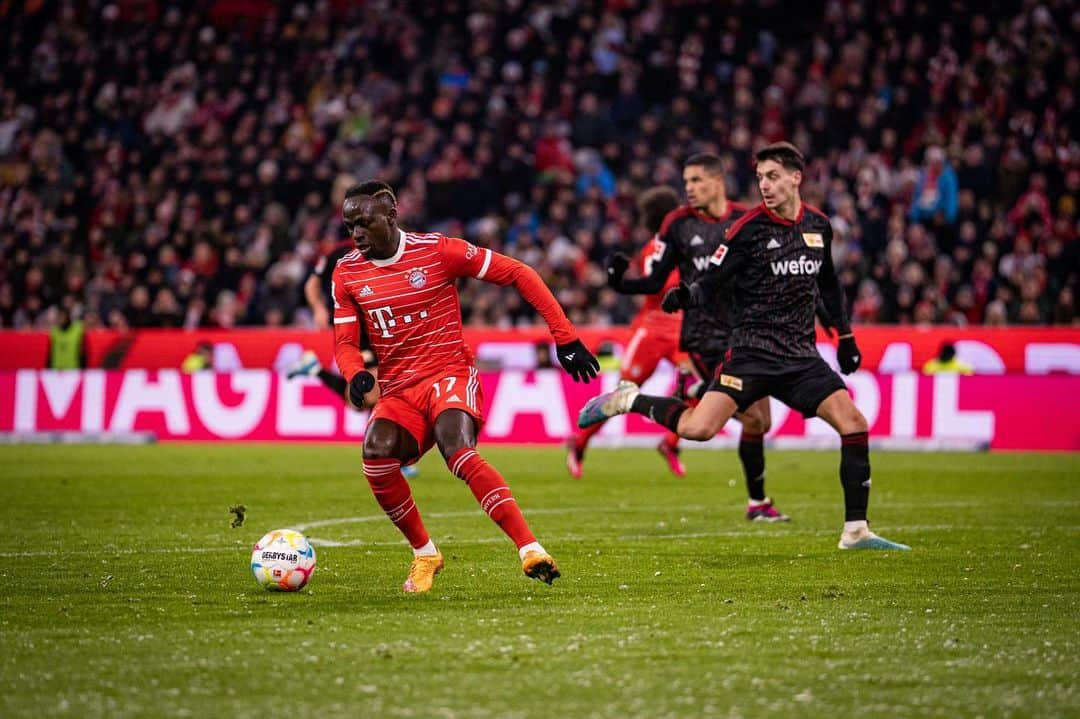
x=401, y=288
x=687, y=239
x=654, y=333
x=777, y=260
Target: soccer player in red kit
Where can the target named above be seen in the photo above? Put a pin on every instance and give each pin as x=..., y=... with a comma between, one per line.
x=654, y=337
x=400, y=286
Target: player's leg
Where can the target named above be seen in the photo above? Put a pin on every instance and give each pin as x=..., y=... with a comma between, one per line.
x=841, y=413
x=756, y=422
x=455, y=436
x=386, y=446
x=309, y=366
x=637, y=364
x=668, y=446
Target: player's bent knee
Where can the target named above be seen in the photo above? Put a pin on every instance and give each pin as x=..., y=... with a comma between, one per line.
x=379, y=447
x=756, y=421
x=857, y=422
x=699, y=430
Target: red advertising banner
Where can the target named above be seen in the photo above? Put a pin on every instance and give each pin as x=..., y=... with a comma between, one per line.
x=886, y=349
x=1013, y=412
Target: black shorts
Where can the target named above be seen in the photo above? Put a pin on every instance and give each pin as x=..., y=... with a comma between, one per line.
x=800, y=383
x=706, y=364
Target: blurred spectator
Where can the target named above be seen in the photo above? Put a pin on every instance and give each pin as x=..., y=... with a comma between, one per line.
x=947, y=362
x=201, y=358
x=935, y=192
x=66, y=350
x=161, y=168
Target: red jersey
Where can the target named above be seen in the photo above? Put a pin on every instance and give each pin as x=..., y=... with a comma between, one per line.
x=409, y=306
x=662, y=323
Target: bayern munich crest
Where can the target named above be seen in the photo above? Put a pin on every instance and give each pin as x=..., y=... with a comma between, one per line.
x=417, y=279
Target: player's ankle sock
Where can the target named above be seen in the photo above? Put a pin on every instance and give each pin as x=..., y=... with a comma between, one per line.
x=855, y=474
x=530, y=547
x=671, y=441
x=335, y=382
x=428, y=550
x=752, y=456
x=664, y=411
x=492, y=493
x=394, y=496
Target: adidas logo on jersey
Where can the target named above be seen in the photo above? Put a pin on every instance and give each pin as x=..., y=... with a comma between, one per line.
x=801, y=266
x=365, y=291
x=696, y=240
x=773, y=244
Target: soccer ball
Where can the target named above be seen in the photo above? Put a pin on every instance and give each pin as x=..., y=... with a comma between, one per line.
x=283, y=560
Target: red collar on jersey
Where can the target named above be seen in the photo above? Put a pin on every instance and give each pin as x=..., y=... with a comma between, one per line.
x=783, y=220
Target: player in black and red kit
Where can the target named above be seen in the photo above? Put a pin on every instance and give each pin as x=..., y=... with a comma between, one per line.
x=316, y=292
x=687, y=239
x=777, y=260
x=654, y=333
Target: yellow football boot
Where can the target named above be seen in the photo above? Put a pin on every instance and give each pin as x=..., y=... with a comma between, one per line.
x=422, y=573
x=540, y=566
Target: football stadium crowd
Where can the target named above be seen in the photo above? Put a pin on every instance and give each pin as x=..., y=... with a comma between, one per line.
x=168, y=167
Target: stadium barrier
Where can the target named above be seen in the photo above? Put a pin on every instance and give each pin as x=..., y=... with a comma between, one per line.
x=887, y=349
x=1008, y=412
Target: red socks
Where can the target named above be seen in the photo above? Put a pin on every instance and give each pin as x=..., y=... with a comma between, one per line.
x=492, y=493
x=394, y=496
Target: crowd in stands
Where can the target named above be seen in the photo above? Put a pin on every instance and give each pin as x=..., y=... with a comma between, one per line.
x=182, y=165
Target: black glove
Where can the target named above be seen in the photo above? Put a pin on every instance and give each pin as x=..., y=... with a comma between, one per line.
x=361, y=383
x=617, y=265
x=578, y=361
x=682, y=297
x=847, y=355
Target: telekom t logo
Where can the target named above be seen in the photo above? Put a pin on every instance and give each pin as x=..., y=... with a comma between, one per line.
x=383, y=318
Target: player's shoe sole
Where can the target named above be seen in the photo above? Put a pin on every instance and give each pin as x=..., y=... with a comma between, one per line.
x=604, y=406
x=540, y=566
x=422, y=573
x=410, y=471
x=671, y=456
x=307, y=366
x=872, y=541
x=573, y=458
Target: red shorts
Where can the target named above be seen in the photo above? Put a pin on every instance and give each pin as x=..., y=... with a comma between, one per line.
x=414, y=408
x=646, y=348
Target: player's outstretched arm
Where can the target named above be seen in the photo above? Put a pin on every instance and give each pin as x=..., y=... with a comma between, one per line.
x=723, y=266
x=656, y=270
x=832, y=297
x=575, y=358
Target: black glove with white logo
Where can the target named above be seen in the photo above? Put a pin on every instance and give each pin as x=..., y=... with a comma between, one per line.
x=617, y=265
x=682, y=297
x=847, y=354
x=578, y=361
x=361, y=383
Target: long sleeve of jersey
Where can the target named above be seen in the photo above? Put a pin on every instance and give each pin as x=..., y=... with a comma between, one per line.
x=347, y=330
x=832, y=295
x=724, y=264
x=466, y=260
x=656, y=268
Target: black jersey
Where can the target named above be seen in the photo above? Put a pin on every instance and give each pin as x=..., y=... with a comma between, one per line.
x=687, y=239
x=776, y=271
x=324, y=268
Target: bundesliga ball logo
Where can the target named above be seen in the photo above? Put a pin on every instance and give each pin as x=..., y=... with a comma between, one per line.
x=417, y=279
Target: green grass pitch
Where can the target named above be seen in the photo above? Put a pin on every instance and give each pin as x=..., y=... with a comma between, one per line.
x=124, y=591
